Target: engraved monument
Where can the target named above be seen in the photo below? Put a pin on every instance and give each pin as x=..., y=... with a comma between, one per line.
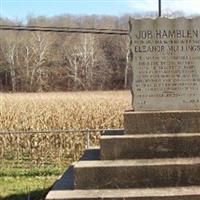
x=166, y=63
x=157, y=155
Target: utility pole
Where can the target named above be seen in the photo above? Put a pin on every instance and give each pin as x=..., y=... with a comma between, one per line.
x=159, y=8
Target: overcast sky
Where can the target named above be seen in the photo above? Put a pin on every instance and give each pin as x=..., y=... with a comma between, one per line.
x=22, y=8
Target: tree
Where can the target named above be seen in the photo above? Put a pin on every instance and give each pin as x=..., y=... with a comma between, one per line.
x=37, y=61
x=36, y=48
x=10, y=50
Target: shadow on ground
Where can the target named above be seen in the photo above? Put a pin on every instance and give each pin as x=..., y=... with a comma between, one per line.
x=33, y=195
x=66, y=182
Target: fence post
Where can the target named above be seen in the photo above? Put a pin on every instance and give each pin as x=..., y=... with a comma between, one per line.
x=88, y=140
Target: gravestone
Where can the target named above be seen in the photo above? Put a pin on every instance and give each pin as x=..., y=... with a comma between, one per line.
x=165, y=57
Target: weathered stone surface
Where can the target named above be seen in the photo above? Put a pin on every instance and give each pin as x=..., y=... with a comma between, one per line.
x=175, y=193
x=136, y=173
x=165, y=60
x=150, y=146
x=161, y=122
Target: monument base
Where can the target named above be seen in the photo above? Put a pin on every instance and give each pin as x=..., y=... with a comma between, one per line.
x=158, y=157
x=161, y=122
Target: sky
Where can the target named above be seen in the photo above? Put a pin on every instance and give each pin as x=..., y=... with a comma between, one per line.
x=20, y=9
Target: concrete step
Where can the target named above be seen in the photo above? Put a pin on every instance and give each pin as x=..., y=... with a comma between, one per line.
x=162, y=122
x=137, y=173
x=175, y=193
x=150, y=146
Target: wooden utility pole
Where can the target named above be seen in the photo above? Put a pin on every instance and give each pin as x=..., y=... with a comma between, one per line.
x=159, y=8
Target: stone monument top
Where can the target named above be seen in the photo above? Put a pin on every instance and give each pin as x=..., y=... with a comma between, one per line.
x=165, y=57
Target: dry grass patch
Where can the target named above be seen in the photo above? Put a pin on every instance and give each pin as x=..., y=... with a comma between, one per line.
x=46, y=111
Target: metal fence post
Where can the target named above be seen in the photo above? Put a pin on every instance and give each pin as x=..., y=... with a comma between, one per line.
x=88, y=140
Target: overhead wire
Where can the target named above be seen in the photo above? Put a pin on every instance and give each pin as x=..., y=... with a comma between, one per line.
x=64, y=29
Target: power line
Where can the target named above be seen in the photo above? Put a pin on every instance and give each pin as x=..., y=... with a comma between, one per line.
x=64, y=30
x=75, y=28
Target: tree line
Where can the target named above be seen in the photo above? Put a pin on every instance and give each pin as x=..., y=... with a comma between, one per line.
x=39, y=61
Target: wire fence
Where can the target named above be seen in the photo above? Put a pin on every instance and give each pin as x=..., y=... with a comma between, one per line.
x=46, y=147
x=52, y=131
x=59, y=131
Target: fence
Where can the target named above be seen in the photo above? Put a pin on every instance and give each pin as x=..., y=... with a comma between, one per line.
x=51, y=147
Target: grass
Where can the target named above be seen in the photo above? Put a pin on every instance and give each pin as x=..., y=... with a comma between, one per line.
x=31, y=171
x=23, y=183
x=25, y=187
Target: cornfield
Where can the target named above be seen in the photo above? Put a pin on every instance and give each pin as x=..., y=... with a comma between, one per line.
x=48, y=111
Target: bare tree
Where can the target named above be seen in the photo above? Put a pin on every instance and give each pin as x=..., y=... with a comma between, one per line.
x=10, y=52
x=48, y=61
x=36, y=55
